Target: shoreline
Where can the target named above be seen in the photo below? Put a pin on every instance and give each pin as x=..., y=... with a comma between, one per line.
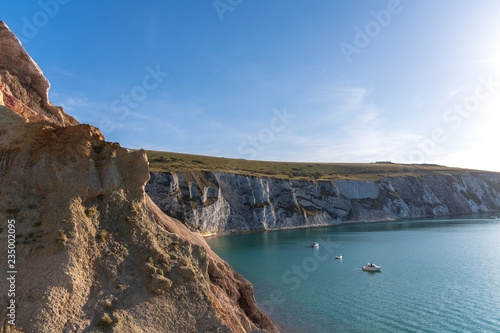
x=207, y=236
x=229, y=233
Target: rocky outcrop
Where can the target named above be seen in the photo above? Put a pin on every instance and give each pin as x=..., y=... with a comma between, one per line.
x=93, y=252
x=23, y=88
x=224, y=202
x=232, y=294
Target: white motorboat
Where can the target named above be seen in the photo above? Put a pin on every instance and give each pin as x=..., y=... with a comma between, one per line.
x=338, y=257
x=315, y=245
x=371, y=267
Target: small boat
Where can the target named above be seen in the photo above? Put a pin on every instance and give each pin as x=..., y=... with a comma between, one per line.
x=338, y=257
x=371, y=267
x=493, y=217
x=315, y=245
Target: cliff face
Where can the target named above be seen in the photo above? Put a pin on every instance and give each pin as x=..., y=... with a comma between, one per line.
x=93, y=252
x=23, y=88
x=223, y=202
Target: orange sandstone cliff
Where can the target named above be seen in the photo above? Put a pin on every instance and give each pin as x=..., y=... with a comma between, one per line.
x=93, y=252
x=23, y=88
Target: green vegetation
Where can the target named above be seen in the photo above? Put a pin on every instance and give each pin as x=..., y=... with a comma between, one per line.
x=308, y=211
x=103, y=237
x=62, y=239
x=185, y=163
x=105, y=321
x=209, y=201
x=12, y=211
x=258, y=205
x=90, y=212
x=37, y=224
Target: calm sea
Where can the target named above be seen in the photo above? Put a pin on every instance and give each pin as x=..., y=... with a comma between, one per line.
x=438, y=275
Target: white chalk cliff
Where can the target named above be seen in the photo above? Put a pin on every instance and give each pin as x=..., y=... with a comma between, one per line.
x=225, y=202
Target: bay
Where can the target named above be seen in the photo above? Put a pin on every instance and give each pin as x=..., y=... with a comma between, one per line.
x=438, y=275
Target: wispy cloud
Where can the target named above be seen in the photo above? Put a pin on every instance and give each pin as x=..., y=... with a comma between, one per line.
x=67, y=73
x=342, y=124
x=70, y=103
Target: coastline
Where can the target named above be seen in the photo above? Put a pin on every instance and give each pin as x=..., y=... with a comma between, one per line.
x=212, y=235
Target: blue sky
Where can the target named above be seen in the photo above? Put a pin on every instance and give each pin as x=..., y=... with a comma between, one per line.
x=325, y=81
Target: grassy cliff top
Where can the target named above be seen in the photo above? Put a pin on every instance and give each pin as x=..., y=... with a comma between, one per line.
x=176, y=162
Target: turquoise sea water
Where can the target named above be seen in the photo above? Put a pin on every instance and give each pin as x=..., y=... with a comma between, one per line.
x=438, y=275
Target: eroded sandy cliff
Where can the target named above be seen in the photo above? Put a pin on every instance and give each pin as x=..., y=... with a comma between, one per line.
x=93, y=251
x=23, y=88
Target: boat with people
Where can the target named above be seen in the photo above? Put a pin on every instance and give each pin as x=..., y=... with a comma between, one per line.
x=492, y=217
x=338, y=256
x=370, y=267
x=315, y=245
